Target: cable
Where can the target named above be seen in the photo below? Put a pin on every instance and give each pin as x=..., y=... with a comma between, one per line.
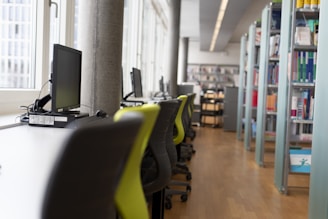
x=43, y=87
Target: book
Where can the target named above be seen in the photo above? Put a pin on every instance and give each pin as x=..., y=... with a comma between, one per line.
x=300, y=66
x=300, y=160
x=256, y=77
x=303, y=36
x=293, y=65
x=309, y=68
x=293, y=112
x=314, y=4
x=311, y=108
x=273, y=73
x=299, y=3
x=314, y=66
x=254, y=98
x=274, y=46
x=307, y=4
x=271, y=103
x=300, y=108
x=305, y=60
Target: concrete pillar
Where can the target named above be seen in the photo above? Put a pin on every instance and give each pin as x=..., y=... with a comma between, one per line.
x=100, y=39
x=173, y=45
x=183, y=59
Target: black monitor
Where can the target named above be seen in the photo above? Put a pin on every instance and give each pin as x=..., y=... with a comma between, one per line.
x=136, y=82
x=161, y=93
x=161, y=85
x=66, y=79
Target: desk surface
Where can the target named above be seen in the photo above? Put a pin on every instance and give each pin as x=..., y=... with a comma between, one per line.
x=27, y=155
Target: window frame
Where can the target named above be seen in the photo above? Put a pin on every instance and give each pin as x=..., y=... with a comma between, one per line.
x=150, y=62
x=11, y=100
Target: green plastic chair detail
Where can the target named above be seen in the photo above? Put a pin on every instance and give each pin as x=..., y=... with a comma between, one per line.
x=130, y=200
x=178, y=138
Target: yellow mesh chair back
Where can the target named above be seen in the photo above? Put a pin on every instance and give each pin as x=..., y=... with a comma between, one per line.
x=129, y=198
x=179, y=136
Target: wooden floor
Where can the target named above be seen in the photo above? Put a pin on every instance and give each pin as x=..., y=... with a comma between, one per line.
x=228, y=184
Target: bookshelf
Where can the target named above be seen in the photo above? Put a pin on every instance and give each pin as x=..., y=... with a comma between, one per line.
x=251, y=83
x=241, y=90
x=213, y=76
x=268, y=79
x=319, y=179
x=296, y=88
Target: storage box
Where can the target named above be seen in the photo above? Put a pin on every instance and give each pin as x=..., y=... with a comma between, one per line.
x=216, y=121
x=211, y=106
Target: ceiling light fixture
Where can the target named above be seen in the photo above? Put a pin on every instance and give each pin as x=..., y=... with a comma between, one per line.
x=219, y=20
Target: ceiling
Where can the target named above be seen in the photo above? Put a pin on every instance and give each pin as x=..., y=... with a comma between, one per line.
x=198, y=18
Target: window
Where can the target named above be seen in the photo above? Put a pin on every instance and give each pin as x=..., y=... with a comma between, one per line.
x=26, y=47
x=144, y=40
x=18, y=27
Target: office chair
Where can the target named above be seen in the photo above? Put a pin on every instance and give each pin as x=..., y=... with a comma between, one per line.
x=129, y=198
x=189, y=133
x=172, y=152
x=156, y=169
x=85, y=176
x=179, y=137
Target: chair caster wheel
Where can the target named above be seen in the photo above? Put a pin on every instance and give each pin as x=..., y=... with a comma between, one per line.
x=188, y=188
x=184, y=197
x=168, y=204
x=188, y=176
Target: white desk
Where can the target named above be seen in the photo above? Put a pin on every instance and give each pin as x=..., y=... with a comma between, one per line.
x=27, y=155
x=7, y=121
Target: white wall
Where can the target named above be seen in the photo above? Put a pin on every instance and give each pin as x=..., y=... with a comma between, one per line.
x=229, y=57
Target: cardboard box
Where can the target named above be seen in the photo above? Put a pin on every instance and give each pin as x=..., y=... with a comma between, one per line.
x=210, y=106
x=214, y=95
x=212, y=120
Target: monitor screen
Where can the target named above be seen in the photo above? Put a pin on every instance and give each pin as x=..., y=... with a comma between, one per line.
x=136, y=82
x=161, y=85
x=66, y=78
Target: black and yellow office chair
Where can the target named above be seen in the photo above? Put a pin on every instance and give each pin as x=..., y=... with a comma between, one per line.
x=179, y=136
x=190, y=134
x=157, y=170
x=129, y=198
x=85, y=176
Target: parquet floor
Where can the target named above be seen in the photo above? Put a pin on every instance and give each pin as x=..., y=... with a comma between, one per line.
x=228, y=184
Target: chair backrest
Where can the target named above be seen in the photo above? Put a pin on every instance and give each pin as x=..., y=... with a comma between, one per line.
x=87, y=171
x=186, y=113
x=170, y=146
x=180, y=132
x=129, y=198
x=191, y=104
x=158, y=170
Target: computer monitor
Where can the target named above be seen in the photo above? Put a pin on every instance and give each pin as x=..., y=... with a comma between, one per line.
x=136, y=82
x=66, y=79
x=161, y=85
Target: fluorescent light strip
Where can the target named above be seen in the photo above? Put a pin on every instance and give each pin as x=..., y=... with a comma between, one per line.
x=219, y=20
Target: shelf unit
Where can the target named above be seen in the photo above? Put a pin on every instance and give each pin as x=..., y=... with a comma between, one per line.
x=290, y=120
x=251, y=84
x=268, y=79
x=213, y=76
x=319, y=178
x=211, y=111
x=241, y=90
